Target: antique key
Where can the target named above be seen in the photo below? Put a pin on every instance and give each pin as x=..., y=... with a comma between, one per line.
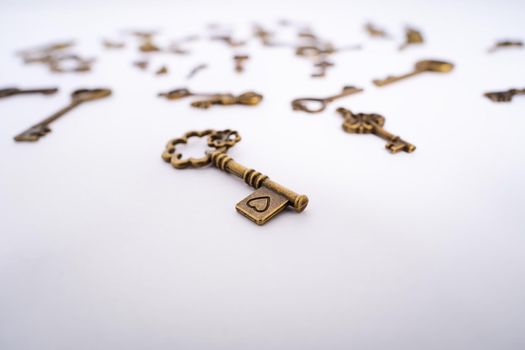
x=16, y=91
x=412, y=37
x=248, y=98
x=321, y=68
x=362, y=123
x=239, y=62
x=504, y=96
x=302, y=104
x=78, y=97
x=319, y=50
x=375, y=31
x=269, y=198
x=420, y=67
x=506, y=44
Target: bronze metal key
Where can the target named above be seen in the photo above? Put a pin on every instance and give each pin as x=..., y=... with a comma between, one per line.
x=362, y=123
x=304, y=104
x=269, y=198
x=78, y=97
x=248, y=98
x=504, y=96
x=420, y=67
x=16, y=91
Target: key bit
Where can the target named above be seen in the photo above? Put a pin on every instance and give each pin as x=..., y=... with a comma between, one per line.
x=420, y=67
x=269, y=198
x=304, y=104
x=362, y=123
x=16, y=91
x=412, y=37
x=506, y=44
x=504, y=96
x=35, y=132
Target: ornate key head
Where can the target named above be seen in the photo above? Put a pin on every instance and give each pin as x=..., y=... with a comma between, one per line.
x=360, y=123
x=434, y=66
x=85, y=95
x=218, y=140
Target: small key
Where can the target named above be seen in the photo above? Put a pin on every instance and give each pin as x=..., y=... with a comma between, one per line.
x=239, y=62
x=163, y=70
x=420, y=67
x=315, y=51
x=269, y=198
x=249, y=98
x=78, y=97
x=376, y=32
x=182, y=93
x=507, y=44
x=362, y=123
x=304, y=104
x=504, y=96
x=15, y=91
x=412, y=37
x=321, y=68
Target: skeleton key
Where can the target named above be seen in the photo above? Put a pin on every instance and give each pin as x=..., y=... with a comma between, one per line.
x=420, y=67
x=269, y=198
x=78, y=97
x=504, y=96
x=362, y=123
x=181, y=93
x=505, y=45
x=249, y=98
x=239, y=62
x=302, y=104
x=412, y=37
x=15, y=91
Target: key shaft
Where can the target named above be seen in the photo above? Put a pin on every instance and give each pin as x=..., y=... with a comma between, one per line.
x=256, y=180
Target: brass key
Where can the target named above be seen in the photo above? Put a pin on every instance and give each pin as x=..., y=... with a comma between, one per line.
x=302, y=104
x=504, y=96
x=249, y=98
x=420, y=67
x=321, y=68
x=362, y=123
x=78, y=97
x=319, y=50
x=375, y=31
x=412, y=37
x=506, y=44
x=16, y=91
x=269, y=198
x=239, y=62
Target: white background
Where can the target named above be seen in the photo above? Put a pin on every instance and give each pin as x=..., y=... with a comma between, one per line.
x=105, y=246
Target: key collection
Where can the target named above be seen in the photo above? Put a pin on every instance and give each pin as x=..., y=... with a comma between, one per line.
x=269, y=197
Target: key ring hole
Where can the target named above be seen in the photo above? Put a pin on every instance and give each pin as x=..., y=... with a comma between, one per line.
x=309, y=105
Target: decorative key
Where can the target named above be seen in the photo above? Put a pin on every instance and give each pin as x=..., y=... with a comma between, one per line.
x=269, y=198
x=16, y=91
x=506, y=44
x=376, y=32
x=249, y=98
x=412, y=37
x=239, y=62
x=362, y=123
x=504, y=96
x=304, y=104
x=420, y=67
x=78, y=97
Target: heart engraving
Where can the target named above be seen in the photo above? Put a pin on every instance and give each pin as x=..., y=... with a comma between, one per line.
x=259, y=204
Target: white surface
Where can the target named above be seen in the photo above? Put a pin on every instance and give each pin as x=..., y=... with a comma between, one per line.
x=104, y=246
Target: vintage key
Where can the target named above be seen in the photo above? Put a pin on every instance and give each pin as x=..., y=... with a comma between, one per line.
x=412, y=37
x=362, y=123
x=319, y=50
x=506, y=44
x=239, y=62
x=375, y=31
x=182, y=93
x=504, y=96
x=265, y=202
x=321, y=68
x=16, y=91
x=304, y=104
x=78, y=97
x=420, y=67
x=249, y=98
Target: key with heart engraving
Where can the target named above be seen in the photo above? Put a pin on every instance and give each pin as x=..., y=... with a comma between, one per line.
x=420, y=67
x=304, y=104
x=362, y=123
x=16, y=91
x=269, y=197
x=78, y=97
x=504, y=96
